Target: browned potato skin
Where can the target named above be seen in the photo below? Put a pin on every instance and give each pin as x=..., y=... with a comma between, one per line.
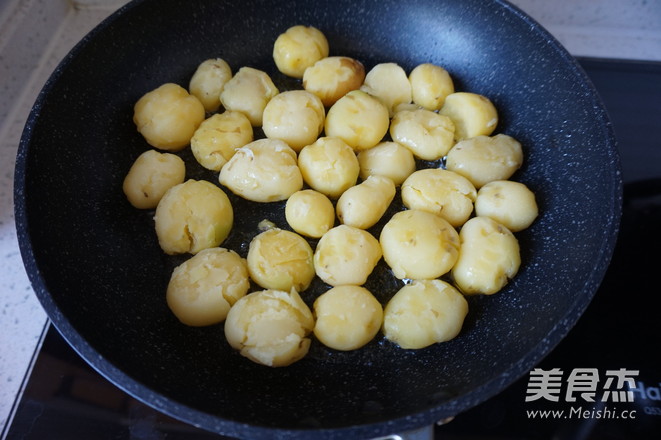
x=333, y=77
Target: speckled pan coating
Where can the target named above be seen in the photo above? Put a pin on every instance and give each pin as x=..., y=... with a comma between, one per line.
x=96, y=266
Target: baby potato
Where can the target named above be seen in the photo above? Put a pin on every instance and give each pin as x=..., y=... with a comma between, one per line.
x=388, y=159
x=270, y=327
x=427, y=134
x=217, y=138
x=203, y=288
x=168, y=116
x=248, y=92
x=331, y=78
x=346, y=255
x=472, y=114
x=280, y=260
x=295, y=116
x=329, y=166
x=510, y=203
x=359, y=119
x=310, y=213
x=485, y=158
x=419, y=245
x=347, y=317
x=208, y=81
x=389, y=83
x=298, y=48
x=264, y=170
x=430, y=84
x=193, y=216
x=424, y=313
x=150, y=176
x=441, y=192
x=363, y=205
x=488, y=257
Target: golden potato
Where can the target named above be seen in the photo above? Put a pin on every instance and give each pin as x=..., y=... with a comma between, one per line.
x=168, y=116
x=208, y=81
x=347, y=317
x=270, y=327
x=510, y=203
x=346, y=255
x=424, y=313
x=264, y=170
x=427, y=134
x=388, y=159
x=359, y=119
x=389, y=83
x=483, y=159
x=489, y=257
x=430, y=85
x=150, y=176
x=472, y=114
x=363, y=205
x=280, y=260
x=294, y=116
x=193, y=216
x=298, y=48
x=329, y=166
x=218, y=137
x=419, y=245
x=331, y=78
x=248, y=92
x=441, y=192
x=203, y=288
x=310, y=213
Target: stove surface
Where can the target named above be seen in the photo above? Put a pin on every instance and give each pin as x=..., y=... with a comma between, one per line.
x=64, y=398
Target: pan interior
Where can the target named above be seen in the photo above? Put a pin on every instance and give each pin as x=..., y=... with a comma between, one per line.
x=97, y=268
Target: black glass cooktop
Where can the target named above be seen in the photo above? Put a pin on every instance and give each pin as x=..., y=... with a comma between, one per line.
x=589, y=377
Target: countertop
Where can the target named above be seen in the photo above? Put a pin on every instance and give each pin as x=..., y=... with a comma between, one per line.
x=36, y=34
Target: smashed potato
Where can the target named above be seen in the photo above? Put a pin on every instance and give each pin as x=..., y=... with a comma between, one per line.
x=430, y=85
x=363, y=205
x=150, y=176
x=270, y=327
x=419, y=245
x=329, y=166
x=310, y=213
x=424, y=313
x=331, y=78
x=193, y=216
x=389, y=83
x=298, y=48
x=359, y=119
x=489, y=257
x=248, y=92
x=203, y=288
x=264, y=170
x=346, y=255
x=216, y=139
x=472, y=114
x=388, y=159
x=208, y=81
x=485, y=158
x=510, y=203
x=347, y=317
x=427, y=134
x=168, y=116
x=441, y=192
x=280, y=260
x=294, y=116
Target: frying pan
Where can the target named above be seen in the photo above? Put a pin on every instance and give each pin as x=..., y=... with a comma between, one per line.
x=96, y=266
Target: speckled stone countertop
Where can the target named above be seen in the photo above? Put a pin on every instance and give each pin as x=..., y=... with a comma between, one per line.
x=36, y=34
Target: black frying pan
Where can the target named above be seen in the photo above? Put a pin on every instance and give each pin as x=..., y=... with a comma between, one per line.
x=97, y=268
